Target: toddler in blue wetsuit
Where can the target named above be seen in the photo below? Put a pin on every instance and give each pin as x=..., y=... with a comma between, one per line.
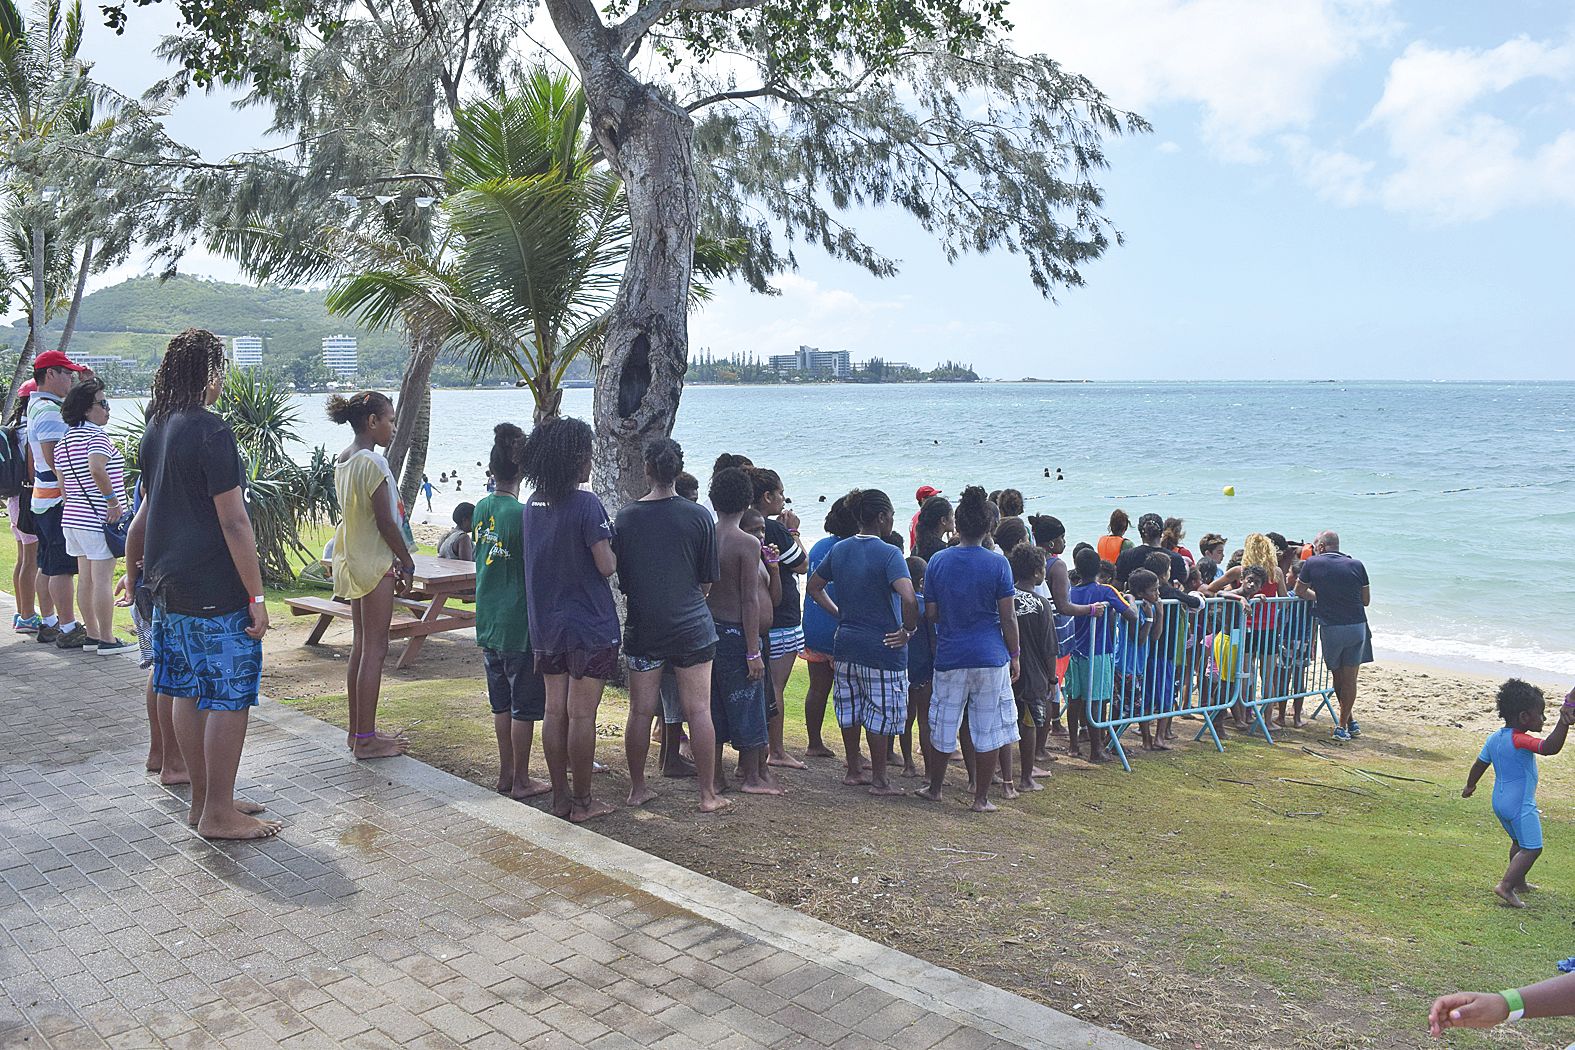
x=1512, y=752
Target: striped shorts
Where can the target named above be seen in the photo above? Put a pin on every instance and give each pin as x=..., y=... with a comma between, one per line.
x=872, y=697
x=784, y=641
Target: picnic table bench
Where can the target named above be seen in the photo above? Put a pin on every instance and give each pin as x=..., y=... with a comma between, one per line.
x=433, y=583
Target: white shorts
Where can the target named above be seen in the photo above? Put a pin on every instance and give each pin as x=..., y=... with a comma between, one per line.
x=985, y=694
x=87, y=543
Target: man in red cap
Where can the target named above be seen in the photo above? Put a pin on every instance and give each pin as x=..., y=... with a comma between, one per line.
x=924, y=493
x=54, y=373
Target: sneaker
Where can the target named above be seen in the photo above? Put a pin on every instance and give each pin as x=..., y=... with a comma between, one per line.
x=116, y=645
x=1354, y=729
x=26, y=624
x=76, y=639
x=89, y=644
x=1342, y=735
x=47, y=633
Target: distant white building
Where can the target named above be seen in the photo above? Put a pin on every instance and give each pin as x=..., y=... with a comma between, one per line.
x=98, y=362
x=340, y=354
x=813, y=361
x=246, y=350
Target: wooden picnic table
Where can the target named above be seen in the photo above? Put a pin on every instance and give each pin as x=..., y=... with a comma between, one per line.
x=433, y=584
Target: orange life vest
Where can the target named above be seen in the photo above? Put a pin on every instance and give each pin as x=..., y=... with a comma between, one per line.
x=1109, y=547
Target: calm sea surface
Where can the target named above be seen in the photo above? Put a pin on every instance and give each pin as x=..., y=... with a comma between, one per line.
x=1460, y=498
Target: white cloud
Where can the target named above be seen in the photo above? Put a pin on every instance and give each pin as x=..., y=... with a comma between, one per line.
x=1456, y=160
x=1335, y=175
x=806, y=312
x=1169, y=147
x=1255, y=68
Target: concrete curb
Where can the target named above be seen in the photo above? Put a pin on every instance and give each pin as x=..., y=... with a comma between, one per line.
x=896, y=973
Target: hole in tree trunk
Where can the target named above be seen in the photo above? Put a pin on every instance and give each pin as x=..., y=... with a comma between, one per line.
x=635, y=378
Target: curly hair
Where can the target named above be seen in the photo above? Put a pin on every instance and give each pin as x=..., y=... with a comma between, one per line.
x=1011, y=503
x=193, y=360
x=1516, y=697
x=1258, y=549
x=358, y=408
x=730, y=459
x=508, y=441
x=79, y=402
x=687, y=486
x=1027, y=561
x=731, y=490
x=975, y=515
x=555, y=457
x=664, y=460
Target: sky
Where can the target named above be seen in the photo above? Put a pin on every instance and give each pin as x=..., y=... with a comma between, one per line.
x=1355, y=189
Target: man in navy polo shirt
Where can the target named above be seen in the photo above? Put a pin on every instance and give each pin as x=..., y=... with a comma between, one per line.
x=1337, y=586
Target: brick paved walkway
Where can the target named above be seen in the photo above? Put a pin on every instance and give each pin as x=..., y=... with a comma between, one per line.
x=400, y=907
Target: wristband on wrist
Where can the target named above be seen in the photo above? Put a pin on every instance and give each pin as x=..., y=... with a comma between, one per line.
x=258, y=599
x=1517, y=1005
x=751, y=656
x=1015, y=653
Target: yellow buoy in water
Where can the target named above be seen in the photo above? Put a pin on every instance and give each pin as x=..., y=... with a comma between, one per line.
x=1230, y=490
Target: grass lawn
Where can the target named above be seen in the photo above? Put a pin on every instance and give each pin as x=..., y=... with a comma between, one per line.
x=1207, y=900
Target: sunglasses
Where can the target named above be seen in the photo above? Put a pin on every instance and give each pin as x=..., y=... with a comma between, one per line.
x=101, y=403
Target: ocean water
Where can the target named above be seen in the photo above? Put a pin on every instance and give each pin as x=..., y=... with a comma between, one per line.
x=1459, y=497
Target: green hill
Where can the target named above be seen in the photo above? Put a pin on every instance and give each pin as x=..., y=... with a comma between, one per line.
x=136, y=318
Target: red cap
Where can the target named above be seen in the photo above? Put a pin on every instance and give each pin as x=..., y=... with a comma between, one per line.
x=925, y=492
x=55, y=359
x=27, y=389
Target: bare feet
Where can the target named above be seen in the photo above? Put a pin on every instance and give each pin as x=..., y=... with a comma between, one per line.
x=1030, y=785
x=763, y=788
x=983, y=807
x=1298, y=723
x=378, y=747
x=235, y=825
x=910, y=771
x=531, y=788
x=1508, y=896
x=505, y=784
x=248, y=807
x=679, y=769
x=174, y=777
x=886, y=789
x=853, y=779
x=155, y=762
x=589, y=809
x=715, y=804
x=786, y=761
x=1008, y=790
x=928, y=794
x=641, y=797
x=820, y=751
x=1040, y=772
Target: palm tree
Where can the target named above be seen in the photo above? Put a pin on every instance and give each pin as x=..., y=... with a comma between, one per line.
x=536, y=239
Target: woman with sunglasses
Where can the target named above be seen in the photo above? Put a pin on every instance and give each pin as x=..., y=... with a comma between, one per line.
x=92, y=474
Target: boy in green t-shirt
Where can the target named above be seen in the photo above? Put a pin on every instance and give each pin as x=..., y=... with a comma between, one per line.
x=517, y=692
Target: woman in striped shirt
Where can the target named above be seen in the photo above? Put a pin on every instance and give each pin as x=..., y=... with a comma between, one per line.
x=92, y=475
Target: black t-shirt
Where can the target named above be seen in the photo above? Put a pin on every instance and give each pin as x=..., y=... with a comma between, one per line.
x=788, y=612
x=187, y=460
x=1036, y=646
x=666, y=549
x=1134, y=557
x=929, y=545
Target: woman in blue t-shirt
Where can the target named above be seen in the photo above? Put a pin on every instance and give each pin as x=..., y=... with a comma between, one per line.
x=968, y=591
x=876, y=617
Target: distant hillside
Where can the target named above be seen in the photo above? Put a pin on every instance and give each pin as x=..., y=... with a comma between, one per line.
x=136, y=318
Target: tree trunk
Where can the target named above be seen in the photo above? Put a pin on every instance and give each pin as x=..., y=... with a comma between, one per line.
x=648, y=140
x=416, y=461
x=76, y=297
x=548, y=398
x=415, y=394
x=23, y=360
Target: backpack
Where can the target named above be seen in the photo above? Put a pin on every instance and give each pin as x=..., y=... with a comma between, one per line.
x=13, y=463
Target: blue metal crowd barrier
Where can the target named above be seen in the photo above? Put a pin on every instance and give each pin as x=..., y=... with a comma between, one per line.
x=1180, y=662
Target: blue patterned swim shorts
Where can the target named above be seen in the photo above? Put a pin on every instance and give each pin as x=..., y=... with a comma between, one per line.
x=208, y=658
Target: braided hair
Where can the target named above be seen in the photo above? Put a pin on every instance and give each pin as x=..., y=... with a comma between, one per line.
x=975, y=515
x=555, y=457
x=867, y=506
x=193, y=360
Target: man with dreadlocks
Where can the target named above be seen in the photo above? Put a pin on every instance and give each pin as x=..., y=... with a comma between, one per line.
x=193, y=542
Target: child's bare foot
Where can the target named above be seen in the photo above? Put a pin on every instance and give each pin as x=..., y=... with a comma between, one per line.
x=855, y=779
x=714, y=805
x=1298, y=722
x=235, y=825
x=379, y=747
x=1008, y=790
x=1507, y=895
x=786, y=761
x=765, y=787
x=1160, y=745
x=928, y=794
x=982, y=807
x=1029, y=785
x=886, y=789
x=530, y=789
x=1041, y=772
x=910, y=771
x=589, y=809
x=641, y=797
x=819, y=751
